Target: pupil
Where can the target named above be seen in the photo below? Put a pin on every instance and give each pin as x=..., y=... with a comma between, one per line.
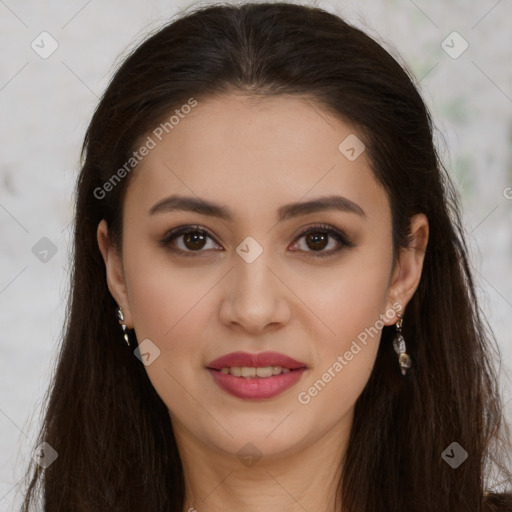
x=317, y=238
x=194, y=238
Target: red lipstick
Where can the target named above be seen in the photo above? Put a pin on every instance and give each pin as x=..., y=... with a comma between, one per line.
x=256, y=388
x=255, y=360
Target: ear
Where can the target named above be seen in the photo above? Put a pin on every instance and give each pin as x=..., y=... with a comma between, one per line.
x=407, y=273
x=115, y=274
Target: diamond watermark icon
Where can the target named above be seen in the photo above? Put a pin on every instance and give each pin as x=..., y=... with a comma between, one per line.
x=249, y=455
x=44, y=250
x=44, y=455
x=44, y=45
x=454, y=455
x=351, y=147
x=147, y=352
x=249, y=249
x=454, y=45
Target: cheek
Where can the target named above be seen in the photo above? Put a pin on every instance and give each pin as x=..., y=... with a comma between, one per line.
x=349, y=335
x=162, y=295
x=349, y=300
x=344, y=361
x=169, y=307
x=164, y=301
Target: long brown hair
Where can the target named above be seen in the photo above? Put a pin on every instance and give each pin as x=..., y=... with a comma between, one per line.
x=112, y=431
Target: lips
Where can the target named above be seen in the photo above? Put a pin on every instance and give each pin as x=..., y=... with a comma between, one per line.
x=263, y=359
x=289, y=372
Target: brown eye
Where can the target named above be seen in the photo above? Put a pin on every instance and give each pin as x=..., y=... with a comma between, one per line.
x=194, y=240
x=187, y=240
x=317, y=239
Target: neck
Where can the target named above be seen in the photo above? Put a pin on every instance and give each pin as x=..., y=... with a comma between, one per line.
x=304, y=479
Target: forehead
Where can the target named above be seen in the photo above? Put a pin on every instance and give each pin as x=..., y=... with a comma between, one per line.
x=256, y=154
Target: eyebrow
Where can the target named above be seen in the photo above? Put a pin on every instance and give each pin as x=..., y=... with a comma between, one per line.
x=287, y=211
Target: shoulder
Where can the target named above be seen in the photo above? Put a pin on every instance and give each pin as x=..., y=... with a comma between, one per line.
x=494, y=502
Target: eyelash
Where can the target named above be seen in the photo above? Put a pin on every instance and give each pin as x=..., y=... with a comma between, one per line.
x=339, y=236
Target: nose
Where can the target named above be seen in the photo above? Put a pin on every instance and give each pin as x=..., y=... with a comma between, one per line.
x=255, y=297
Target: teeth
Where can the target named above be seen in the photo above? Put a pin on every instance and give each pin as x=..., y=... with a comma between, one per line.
x=276, y=370
x=248, y=372
x=263, y=372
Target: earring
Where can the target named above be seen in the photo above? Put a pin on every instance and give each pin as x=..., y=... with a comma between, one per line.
x=120, y=317
x=404, y=359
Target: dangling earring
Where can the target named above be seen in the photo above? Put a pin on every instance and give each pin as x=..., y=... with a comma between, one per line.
x=120, y=317
x=399, y=345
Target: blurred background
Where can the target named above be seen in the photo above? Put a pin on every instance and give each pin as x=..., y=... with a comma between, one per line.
x=56, y=61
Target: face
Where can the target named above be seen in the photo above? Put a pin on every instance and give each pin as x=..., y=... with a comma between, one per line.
x=313, y=284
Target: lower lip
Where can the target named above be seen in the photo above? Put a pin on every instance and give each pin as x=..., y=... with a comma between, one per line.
x=256, y=388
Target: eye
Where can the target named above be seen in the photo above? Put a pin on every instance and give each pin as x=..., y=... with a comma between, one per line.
x=317, y=239
x=194, y=238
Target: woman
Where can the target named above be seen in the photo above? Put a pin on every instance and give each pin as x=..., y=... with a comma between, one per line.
x=271, y=306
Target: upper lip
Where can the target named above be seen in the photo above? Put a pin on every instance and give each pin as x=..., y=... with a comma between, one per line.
x=260, y=360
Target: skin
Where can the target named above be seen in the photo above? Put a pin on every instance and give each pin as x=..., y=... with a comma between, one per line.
x=195, y=309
